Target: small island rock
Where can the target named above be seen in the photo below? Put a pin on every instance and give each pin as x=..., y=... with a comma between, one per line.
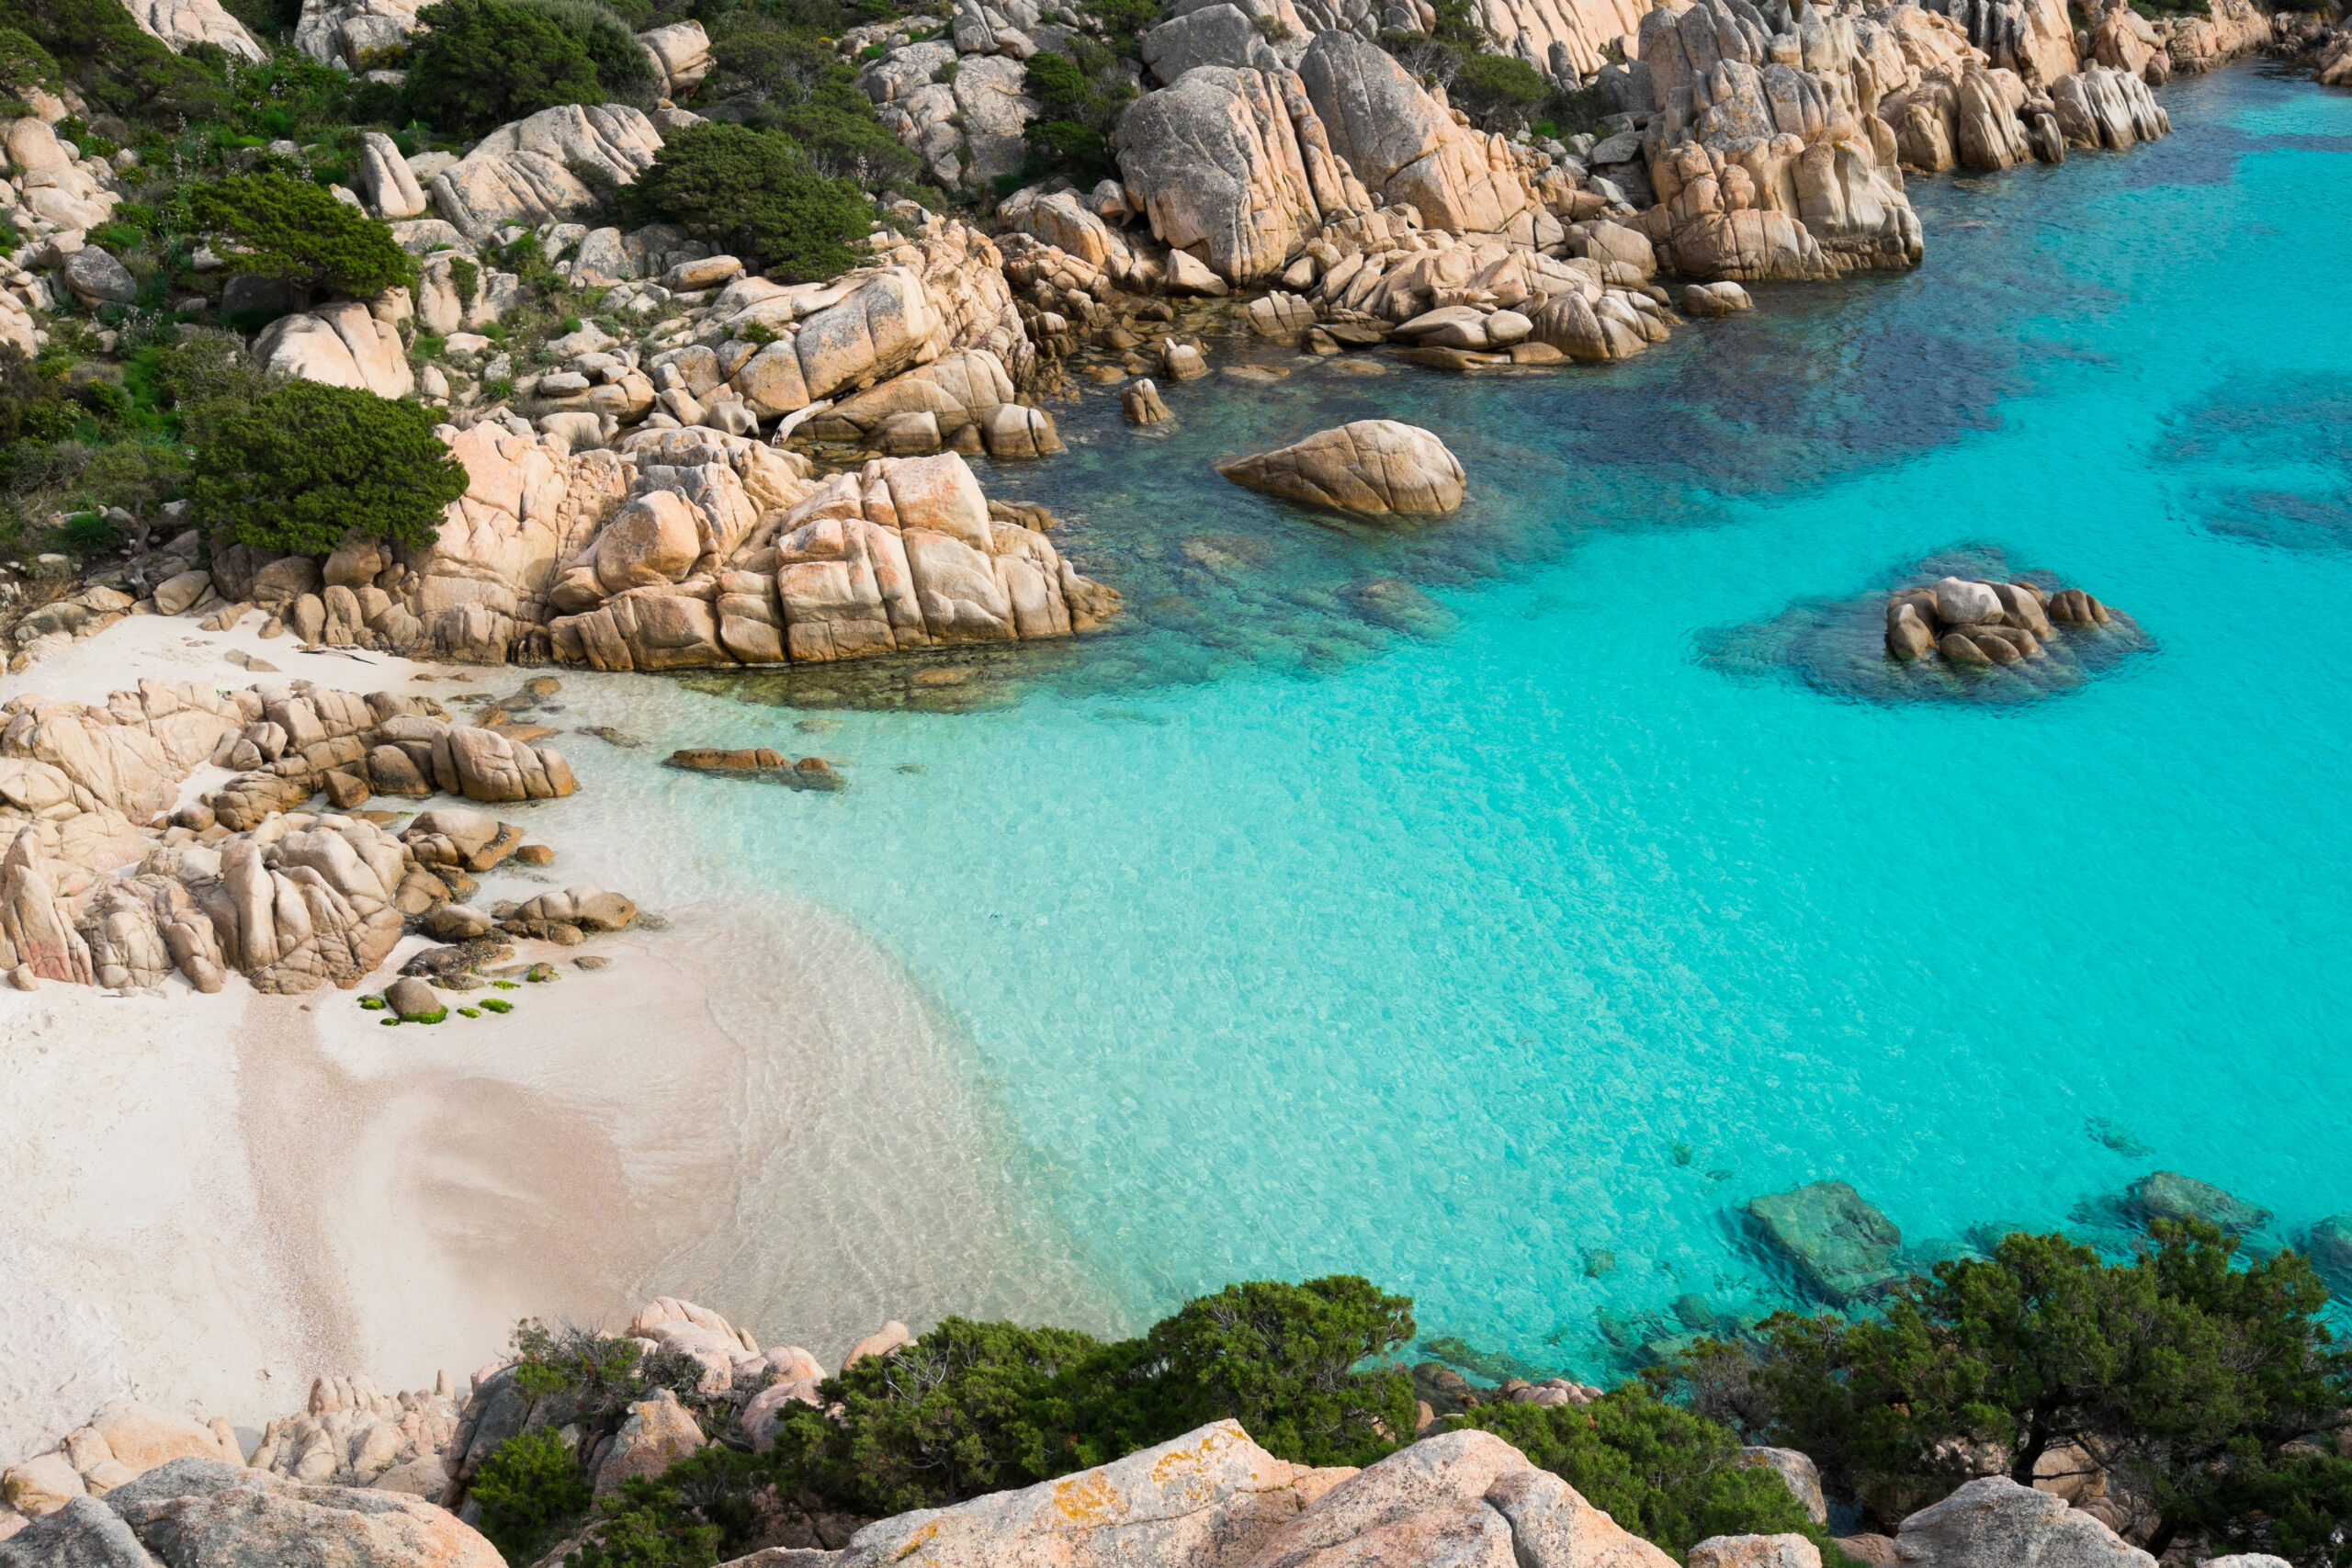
x=1376, y=466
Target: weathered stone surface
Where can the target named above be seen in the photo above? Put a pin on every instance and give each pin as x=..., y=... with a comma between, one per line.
x=1374, y=467
x=342, y=344
x=657, y=1433
x=2169, y=1195
x=1841, y=1247
x=387, y=181
x=681, y=53
x=97, y=278
x=522, y=172
x=1401, y=144
x=1235, y=163
x=183, y=24
x=1995, y=1523
x=1206, y=1499
x=204, y=1514
x=1754, y=1552
x=83, y=1533
x=1464, y=1497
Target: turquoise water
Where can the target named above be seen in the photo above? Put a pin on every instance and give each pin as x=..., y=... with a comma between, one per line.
x=1458, y=934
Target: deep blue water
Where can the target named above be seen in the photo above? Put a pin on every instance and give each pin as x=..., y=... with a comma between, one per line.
x=1459, y=933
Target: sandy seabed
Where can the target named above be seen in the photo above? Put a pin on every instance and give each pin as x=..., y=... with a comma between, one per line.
x=205, y=1201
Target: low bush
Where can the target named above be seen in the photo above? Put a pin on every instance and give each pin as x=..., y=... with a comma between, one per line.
x=281, y=227
x=307, y=463
x=761, y=195
x=484, y=62
x=1659, y=1471
x=1497, y=91
x=118, y=67
x=528, y=1488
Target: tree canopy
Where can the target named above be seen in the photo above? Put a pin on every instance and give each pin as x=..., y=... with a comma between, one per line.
x=761, y=192
x=2185, y=1375
x=282, y=227
x=309, y=463
x=484, y=62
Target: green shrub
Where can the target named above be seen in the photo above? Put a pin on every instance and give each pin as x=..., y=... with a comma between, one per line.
x=1278, y=1358
x=32, y=407
x=485, y=62
x=528, y=1488
x=23, y=62
x=1499, y=91
x=702, y=1509
x=761, y=195
x=285, y=228
x=977, y=1407
x=624, y=73
x=1664, y=1473
x=88, y=534
x=2192, y=1377
x=307, y=463
x=119, y=68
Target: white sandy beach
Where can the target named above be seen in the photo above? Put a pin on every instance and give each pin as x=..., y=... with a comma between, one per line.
x=211, y=1200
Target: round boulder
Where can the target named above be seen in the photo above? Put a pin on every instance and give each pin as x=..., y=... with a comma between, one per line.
x=1960, y=602
x=1374, y=466
x=413, y=1001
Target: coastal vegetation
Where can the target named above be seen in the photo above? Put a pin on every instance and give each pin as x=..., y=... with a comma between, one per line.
x=2194, y=1388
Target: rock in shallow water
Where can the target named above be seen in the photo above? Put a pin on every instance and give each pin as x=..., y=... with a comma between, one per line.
x=1841, y=1247
x=1374, y=466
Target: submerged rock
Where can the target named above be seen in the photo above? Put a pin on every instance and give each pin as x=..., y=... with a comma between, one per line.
x=1374, y=466
x=2330, y=1246
x=759, y=764
x=1842, y=1247
x=2169, y=1195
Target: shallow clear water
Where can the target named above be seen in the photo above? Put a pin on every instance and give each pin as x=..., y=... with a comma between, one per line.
x=1459, y=940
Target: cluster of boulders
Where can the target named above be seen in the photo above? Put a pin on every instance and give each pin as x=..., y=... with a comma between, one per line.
x=1972, y=621
x=688, y=547
x=241, y=879
x=2323, y=44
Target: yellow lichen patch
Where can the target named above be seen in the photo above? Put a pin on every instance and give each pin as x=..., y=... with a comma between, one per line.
x=1087, y=1500
x=916, y=1541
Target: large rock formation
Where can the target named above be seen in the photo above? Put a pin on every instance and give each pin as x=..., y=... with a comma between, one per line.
x=358, y=35
x=522, y=172
x=1840, y=1247
x=1764, y=168
x=206, y=1513
x=182, y=24
x=1403, y=145
x=54, y=184
x=1976, y=622
x=342, y=344
x=1375, y=467
x=242, y=881
x=1994, y=1521
x=903, y=554
x=1568, y=39
x=1235, y=167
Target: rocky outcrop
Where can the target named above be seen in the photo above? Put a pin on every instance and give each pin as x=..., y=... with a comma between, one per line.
x=1994, y=1521
x=358, y=35
x=1375, y=467
x=58, y=188
x=1977, y=623
x=182, y=24
x=240, y=880
x=1567, y=39
x=967, y=124
x=1234, y=166
x=351, y=1435
x=522, y=172
x=341, y=345
x=2100, y=108
x=1754, y=1552
x=1840, y=1249
x=1403, y=145
x=1764, y=169
x=902, y=555
x=681, y=56
x=2228, y=30
x=386, y=179
x=206, y=1513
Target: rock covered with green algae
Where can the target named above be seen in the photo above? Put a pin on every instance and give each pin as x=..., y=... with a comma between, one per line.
x=1840, y=1245
x=2169, y=1195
